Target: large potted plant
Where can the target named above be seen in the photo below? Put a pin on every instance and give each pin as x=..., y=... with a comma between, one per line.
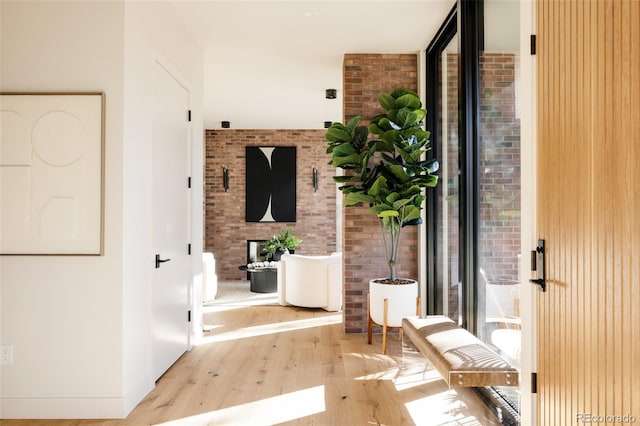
x=389, y=173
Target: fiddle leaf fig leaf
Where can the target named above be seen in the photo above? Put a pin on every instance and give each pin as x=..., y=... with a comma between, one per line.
x=360, y=135
x=406, y=118
x=411, y=213
x=389, y=213
x=353, y=198
x=386, y=101
x=342, y=179
x=351, y=125
x=408, y=100
x=379, y=183
x=399, y=172
x=343, y=149
x=341, y=161
x=338, y=134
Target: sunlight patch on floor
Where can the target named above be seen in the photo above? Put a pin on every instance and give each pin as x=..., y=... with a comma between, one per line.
x=389, y=374
x=280, y=327
x=416, y=376
x=406, y=376
x=442, y=409
x=259, y=300
x=268, y=411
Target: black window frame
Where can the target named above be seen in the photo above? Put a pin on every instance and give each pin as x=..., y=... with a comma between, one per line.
x=441, y=40
x=467, y=20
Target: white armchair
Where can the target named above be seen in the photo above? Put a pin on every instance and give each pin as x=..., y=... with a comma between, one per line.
x=310, y=281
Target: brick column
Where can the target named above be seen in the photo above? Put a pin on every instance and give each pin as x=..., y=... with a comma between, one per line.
x=365, y=77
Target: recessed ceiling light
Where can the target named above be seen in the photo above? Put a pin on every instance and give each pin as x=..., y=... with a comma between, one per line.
x=310, y=13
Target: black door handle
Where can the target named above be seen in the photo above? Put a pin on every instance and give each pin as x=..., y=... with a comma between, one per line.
x=159, y=261
x=538, y=268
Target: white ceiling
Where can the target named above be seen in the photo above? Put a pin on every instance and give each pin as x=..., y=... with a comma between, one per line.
x=267, y=63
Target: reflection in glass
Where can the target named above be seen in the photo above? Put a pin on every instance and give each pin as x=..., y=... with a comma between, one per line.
x=448, y=273
x=499, y=183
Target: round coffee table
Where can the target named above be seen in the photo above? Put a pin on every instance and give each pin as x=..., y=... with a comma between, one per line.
x=263, y=280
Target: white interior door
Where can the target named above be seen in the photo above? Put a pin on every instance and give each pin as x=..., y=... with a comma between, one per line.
x=170, y=259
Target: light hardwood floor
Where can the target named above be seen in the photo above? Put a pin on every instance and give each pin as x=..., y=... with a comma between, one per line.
x=264, y=365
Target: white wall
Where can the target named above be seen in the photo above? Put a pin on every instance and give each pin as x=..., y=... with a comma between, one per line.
x=63, y=315
x=80, y=325
x=256, y=90
x=268, y=63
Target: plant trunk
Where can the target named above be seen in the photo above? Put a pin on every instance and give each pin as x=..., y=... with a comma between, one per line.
x=392, y=270
x=391, y=246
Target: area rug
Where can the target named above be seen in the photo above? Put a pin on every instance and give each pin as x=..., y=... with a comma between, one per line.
x=239, y=293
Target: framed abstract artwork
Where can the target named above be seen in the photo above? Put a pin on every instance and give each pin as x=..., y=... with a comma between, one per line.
x=51, y=173
x=270, y=184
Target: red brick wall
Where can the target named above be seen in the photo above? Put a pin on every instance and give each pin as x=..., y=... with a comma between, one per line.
x=226, y=231
x=365, y=77
x=450, y=277
x=500, y=163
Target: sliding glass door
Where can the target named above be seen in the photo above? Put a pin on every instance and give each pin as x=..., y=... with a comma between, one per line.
x=448, y=228
x=443, y=203
x=473, y=246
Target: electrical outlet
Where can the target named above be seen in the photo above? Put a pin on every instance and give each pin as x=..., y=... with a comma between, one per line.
x=6, y=355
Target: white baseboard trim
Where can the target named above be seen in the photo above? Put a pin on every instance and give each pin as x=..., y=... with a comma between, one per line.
x=137, y=394
x=62, y=408
x=74, y=408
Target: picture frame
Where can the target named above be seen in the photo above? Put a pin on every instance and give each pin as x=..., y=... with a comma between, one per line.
x=270, y=184
x=52, y=173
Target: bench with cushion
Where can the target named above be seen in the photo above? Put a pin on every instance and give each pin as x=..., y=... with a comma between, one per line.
x=461, y=358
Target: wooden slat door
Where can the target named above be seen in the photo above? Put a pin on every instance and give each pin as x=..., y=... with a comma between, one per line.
x=588, y=209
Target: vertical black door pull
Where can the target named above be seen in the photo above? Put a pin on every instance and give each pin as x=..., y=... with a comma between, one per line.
x=538, y=266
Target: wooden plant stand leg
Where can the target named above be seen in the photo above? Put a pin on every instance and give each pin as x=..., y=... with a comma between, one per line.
x=384, y=326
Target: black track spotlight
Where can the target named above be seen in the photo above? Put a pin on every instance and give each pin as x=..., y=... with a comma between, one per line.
x=331, y=93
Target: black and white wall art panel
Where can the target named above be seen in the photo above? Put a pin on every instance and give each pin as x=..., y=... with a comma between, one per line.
x=271, y=184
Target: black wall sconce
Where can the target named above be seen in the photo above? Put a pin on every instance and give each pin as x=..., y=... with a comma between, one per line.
x=327, y=124
x=225, y=124
x=331, y=93
x=225, y=178
x=315, y=179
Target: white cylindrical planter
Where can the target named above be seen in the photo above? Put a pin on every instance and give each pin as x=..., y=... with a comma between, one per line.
x=402, y=302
